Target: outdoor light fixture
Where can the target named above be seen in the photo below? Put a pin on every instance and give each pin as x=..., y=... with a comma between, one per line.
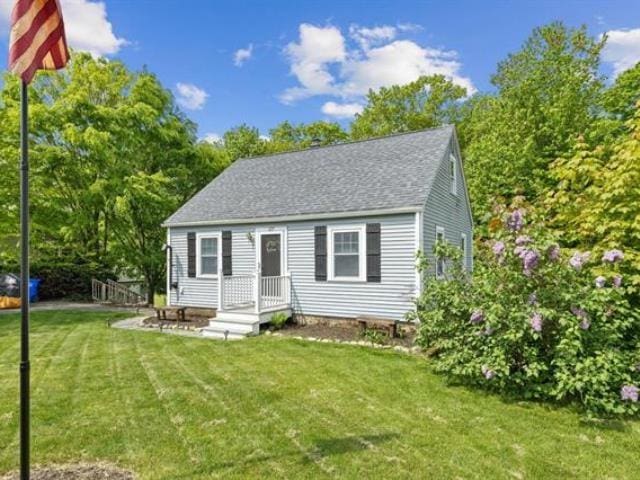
x=250, y=236
x=169, y=249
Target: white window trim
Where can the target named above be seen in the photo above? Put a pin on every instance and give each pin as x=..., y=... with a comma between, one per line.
x=199, y=237
x=440, y=230
x=362, y=252
x=463, y=237
x=454, y=181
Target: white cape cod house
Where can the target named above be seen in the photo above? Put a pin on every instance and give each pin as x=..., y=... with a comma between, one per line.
x=324, y=232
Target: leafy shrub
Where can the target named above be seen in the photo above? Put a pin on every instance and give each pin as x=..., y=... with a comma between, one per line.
x=69, y=279
x=279, y=320
x=534, y=322
x=374, y=336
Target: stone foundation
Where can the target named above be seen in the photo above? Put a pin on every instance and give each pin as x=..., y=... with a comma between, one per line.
x=343, y=322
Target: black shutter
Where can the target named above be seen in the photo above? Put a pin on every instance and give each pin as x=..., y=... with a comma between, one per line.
x=373, y=252
x=226, y=253
x=191, y=254
x=321, y=253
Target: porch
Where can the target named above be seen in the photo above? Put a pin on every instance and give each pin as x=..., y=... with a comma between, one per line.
x=246, y=301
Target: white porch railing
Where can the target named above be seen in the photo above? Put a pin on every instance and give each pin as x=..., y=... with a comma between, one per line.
x=254, y=291
x=237, y=291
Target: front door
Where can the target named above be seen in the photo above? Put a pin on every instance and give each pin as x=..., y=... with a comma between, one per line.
x=270, y=254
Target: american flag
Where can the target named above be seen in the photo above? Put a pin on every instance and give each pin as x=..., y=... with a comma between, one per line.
x=37, y=38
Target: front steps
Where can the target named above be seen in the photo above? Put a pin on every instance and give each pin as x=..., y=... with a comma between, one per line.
x=238, y=324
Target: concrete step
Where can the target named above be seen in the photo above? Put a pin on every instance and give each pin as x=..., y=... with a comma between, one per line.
x=230, y=328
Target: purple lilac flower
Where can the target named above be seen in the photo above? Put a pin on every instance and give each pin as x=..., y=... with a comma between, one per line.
x=617, y=281
x=579, y=312
x=585, y=324
x=612, y=256
x=533, y=299
x=554, y=252
x=530, y=261
x=520, y=251
x=536, y=321
x=487, y=372
x=477, y=316
x=629, y=393
x=600, y=281
x=514, y=222
x=498, y=248
x=578, y=259
x=523, y=240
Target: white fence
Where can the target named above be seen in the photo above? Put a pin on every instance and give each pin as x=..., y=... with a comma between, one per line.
x=275, y=291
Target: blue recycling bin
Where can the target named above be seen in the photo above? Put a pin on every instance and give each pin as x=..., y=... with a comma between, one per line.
x=34, y=287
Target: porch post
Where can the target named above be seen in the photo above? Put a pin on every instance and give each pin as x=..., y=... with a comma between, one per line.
x=258, y=289
x=220, y=291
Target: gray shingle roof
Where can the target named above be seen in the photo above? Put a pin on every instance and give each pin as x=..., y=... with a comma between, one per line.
x=378, y=174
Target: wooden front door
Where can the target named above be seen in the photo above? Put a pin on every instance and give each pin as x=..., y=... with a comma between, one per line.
x=271, y=254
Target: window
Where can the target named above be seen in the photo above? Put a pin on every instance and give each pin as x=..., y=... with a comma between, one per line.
x=440, y=266
x=207, y=256
x=463, y=247
x=453, y=165
x=347, y=254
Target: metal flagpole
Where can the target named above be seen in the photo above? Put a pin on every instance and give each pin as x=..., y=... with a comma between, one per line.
x=24, y=286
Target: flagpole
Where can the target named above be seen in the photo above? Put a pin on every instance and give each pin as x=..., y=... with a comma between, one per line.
x=24, y=286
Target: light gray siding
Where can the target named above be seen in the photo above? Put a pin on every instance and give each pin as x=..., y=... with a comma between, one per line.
x=447, y=210
x=392, y=298
x=203, y=292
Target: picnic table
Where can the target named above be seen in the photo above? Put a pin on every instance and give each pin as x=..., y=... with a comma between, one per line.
x=161, y=313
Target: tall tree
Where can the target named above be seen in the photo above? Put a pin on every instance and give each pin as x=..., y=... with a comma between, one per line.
x=286, y=136
x=426, y=102
x=546, y=96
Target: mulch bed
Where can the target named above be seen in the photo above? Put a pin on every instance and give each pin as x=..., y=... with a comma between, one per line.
x=79, y=471
x=190, y=324
x=343, y=334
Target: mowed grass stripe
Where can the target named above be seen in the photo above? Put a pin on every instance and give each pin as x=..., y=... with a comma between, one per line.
x=173, y=407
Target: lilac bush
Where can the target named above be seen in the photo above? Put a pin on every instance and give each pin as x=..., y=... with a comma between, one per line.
x=535, y=321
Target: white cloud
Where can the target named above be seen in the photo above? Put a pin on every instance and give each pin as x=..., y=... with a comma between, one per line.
x=86, y=25
x=366, y=37
x=622, y=49
x=318, y=47
x=242, y=55
x=212, y=137
x=341, y=110
x=399, y=63
x=324, y=63
x=190, y=97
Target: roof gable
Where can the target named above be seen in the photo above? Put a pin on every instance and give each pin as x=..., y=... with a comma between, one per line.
x=384, y=173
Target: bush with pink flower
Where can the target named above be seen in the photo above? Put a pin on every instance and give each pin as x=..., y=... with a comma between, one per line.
x=534, y=321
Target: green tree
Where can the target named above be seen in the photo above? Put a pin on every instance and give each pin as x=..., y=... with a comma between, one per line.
x=546, y=95
x=596, y=202
x=244, y=142
x=286, y=136
x=426, y=102
x=111, y=157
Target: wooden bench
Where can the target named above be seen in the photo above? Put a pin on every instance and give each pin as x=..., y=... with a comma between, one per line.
x=161, y=313
x=377, y=323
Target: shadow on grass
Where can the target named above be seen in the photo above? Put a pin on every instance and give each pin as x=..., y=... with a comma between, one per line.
x=315, y=452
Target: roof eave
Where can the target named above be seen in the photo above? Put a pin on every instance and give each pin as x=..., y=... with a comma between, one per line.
x=298, y=217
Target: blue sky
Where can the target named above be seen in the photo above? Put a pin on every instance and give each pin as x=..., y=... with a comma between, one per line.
x=263, y=62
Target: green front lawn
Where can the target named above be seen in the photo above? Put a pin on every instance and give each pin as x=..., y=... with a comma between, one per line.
x=175, y=407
